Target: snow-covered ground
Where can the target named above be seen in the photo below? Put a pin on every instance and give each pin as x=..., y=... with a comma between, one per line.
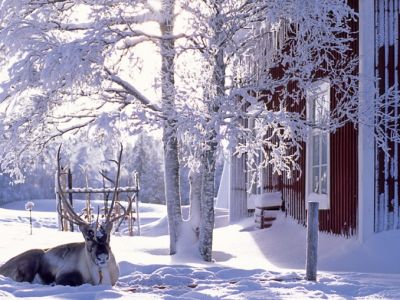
x=249, y=263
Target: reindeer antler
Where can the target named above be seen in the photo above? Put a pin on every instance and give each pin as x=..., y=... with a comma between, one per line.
x=71, y=215
x=112, y=220
x=118, y=162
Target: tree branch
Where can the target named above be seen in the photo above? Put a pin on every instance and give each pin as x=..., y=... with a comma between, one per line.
x=131, y=90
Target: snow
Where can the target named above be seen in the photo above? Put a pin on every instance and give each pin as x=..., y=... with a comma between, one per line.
x=322, y=199
x=249, y=263
x=266, y=199
x=224, y=187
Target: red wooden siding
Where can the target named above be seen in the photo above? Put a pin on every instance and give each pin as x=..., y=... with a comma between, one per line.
x=387, y=59
x=293, y=193
x=341, y=218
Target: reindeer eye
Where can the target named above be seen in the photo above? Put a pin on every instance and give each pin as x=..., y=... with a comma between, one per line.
x=101, y=235
x=90, y=234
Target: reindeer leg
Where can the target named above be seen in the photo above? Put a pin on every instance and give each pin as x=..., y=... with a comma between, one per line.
x=73, y=278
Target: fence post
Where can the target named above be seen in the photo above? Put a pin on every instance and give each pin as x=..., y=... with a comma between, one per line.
x=64, y=181
x=71, y=224
x=59, y=208
x=312, y=241
x=136, y=180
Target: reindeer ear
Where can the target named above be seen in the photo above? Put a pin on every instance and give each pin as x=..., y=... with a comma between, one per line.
x=87, y=231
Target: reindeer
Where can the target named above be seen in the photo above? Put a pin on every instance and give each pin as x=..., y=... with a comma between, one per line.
x=91, y=261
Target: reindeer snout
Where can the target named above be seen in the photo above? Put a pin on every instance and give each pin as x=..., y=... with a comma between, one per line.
x=102, y=258
x=102, y=255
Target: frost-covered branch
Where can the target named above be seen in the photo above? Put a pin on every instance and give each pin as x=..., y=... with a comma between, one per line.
x=58, y=79
x=130, y=89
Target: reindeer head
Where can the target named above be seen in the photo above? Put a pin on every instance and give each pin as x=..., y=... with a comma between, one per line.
x=97, y=242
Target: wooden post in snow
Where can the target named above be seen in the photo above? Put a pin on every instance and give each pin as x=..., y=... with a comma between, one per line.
x=58, y=204
x=64, y=184
x=136, y=180
x=71, y=224
x=312, y=241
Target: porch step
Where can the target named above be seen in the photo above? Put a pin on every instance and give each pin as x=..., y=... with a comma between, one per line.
x=265, y=216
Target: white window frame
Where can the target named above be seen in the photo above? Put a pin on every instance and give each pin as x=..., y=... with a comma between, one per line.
x=317, y=89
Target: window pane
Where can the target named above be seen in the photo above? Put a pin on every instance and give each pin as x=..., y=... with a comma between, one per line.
x=315, y=180
x=318, y=109
x=324, y=180
x=325, y=105
x=324, y=150
x=315, y=151
x=312, y=111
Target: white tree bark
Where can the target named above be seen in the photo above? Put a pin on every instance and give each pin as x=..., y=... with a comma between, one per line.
x=195, y=181
x=207, y=204
x=171, y=161
x=210, y=155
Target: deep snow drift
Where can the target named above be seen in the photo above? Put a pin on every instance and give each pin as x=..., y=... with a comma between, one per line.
x=249, y=263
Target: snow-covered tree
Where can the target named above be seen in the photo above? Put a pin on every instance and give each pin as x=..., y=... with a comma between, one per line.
x=38, y=184
x=304, y=43
x=65, y=61
x=170, y=139
x=259, y=61
x=220, y=30
x=74, y=65
x=146, y=158
x=71, y=66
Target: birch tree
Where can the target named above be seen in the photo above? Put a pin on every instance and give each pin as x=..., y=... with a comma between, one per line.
x=240, y=41
x=79, y=57
x=215, y=26
x=302, y=43
x=171, y=159
x=66, y=61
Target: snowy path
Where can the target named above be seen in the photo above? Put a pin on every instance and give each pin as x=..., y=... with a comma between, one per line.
x=244, y=269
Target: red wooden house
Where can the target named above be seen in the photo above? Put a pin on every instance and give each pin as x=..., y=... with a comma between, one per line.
x=354, y=180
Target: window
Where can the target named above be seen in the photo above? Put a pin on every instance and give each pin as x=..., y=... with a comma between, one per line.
x=317, y=174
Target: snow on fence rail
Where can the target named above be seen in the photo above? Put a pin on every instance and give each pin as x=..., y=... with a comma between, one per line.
x=88, y=210
x=125, y=189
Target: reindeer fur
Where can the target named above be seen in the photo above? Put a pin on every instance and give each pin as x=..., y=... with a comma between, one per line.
x=68, y=264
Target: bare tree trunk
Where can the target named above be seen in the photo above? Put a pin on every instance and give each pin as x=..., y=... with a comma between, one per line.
x=171, y=162
x=195, y=181
x=207, y=195
x=207, y=204
x=172, y=193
